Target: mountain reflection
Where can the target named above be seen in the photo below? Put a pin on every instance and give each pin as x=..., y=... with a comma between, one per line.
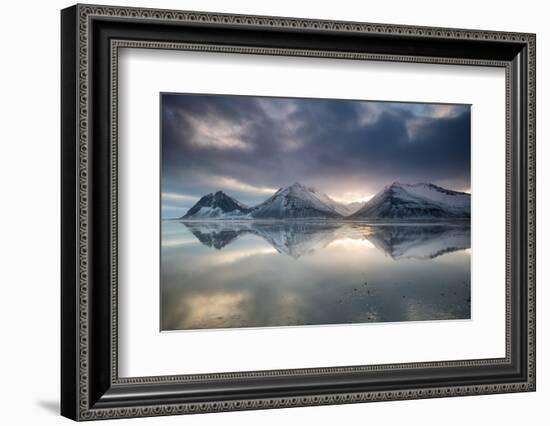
x=297, y=239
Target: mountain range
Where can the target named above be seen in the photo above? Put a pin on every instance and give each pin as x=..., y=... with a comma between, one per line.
x=397, y=201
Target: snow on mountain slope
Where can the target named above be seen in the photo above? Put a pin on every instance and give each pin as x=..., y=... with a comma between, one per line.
x=298, y=201
x=351, y=208
x=218, y=205
x=459, y=201
x=420, y=201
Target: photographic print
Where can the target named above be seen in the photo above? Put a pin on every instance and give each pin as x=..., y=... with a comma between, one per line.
x=299, y=212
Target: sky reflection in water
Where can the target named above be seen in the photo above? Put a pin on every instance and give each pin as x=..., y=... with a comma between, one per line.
x=251, y=274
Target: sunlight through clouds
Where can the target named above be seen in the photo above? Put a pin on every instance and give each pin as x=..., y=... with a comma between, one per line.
x=446, y=111
x=229, y=183
x=177, y=197
x=214, y=132
x=351, y=197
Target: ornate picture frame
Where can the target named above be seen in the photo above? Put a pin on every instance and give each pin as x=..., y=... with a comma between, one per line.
x=91, y=37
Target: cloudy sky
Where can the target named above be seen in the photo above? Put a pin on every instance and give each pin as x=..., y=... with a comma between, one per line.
x=251, y=146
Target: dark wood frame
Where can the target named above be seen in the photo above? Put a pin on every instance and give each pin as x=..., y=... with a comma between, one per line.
x=91, y=37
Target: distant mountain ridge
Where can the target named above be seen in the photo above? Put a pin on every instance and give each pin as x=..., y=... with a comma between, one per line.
x=419, y=201
x=397, y=201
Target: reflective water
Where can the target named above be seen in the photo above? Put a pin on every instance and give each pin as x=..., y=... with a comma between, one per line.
x=222, y=274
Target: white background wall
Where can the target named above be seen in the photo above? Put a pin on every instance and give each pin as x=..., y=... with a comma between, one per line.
x=29, y=213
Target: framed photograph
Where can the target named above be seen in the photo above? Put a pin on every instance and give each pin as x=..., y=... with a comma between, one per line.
x=274, y=251
x=263, y=212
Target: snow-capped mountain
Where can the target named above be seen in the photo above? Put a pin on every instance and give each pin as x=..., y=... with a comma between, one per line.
x=296, y=202
x=418, y=201
x=218, y=205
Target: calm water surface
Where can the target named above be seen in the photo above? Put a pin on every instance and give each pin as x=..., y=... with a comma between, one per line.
x=223, y=274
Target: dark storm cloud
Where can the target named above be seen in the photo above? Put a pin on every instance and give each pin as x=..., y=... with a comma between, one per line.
x=250, y=146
